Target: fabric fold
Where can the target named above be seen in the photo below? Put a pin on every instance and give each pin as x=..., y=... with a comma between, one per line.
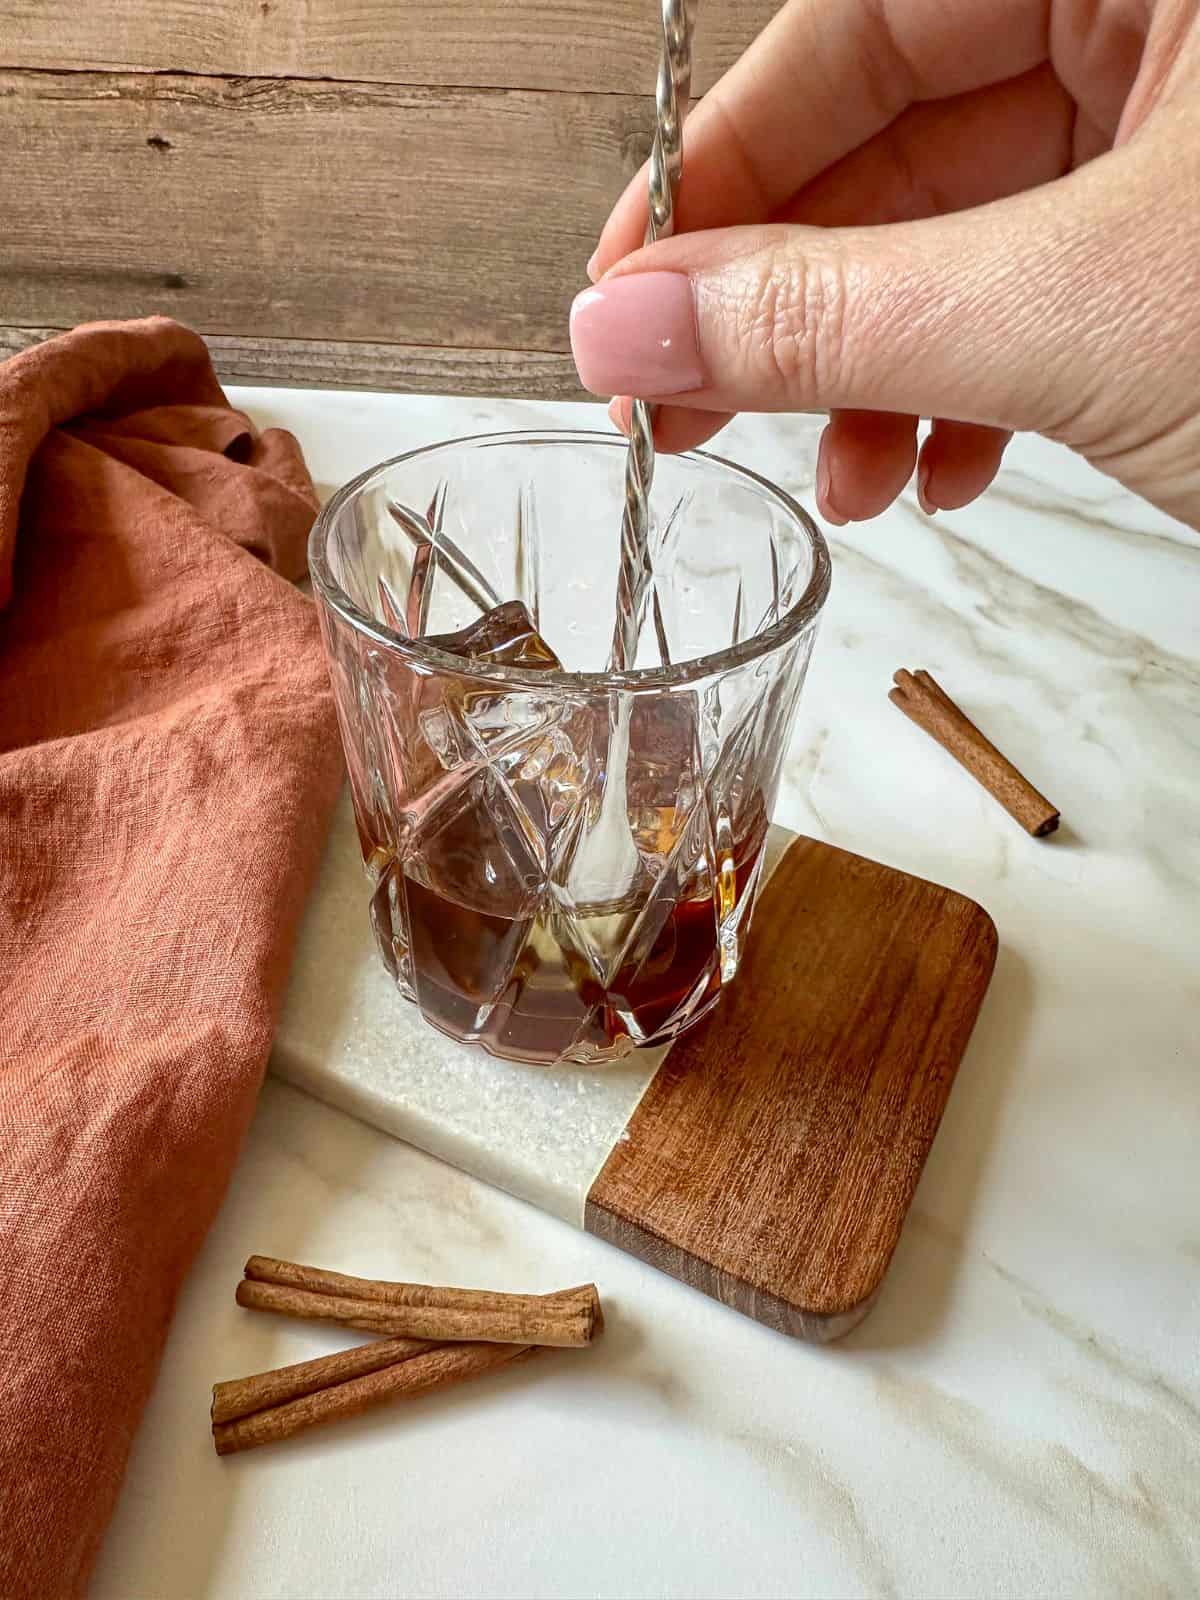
x=169, y=763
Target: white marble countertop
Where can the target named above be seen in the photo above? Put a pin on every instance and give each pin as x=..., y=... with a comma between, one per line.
x=1020, y=1415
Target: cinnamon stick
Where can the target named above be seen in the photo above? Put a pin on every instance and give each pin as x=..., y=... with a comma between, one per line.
x=925, y=702
x=535, y=1319
x=320, y=1280
x=239, y=1397
x=402, y=1380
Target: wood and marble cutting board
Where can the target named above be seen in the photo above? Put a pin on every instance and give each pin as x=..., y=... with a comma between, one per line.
x=768, y=1157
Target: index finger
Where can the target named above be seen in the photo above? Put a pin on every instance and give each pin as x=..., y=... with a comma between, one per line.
x=823, y=77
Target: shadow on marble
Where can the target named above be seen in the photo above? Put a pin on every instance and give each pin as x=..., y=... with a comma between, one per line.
x=1065, y=837
x=201, y=1538
x=194, y=1534
x=920, y=1280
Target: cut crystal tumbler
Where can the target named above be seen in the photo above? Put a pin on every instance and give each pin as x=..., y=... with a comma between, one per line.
x=562, y=860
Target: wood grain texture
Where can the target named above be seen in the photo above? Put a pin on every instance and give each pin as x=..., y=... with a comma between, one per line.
x=350, y=364
x=598, y=45
x=377, y=194
x=354, y=212
x=773, y=1159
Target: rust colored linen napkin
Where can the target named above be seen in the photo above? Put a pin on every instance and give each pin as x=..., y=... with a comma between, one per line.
x=168, y=766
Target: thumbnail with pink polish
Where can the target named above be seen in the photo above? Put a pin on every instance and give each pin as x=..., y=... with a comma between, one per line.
x=637, y=335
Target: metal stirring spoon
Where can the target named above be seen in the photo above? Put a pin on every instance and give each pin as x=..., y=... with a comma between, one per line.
x=672, y=95
x=609, y=855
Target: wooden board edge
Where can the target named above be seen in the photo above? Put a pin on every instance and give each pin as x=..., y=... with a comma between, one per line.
x=985, y=943
x=816, y=1325
x=958, y=896
x=811, y=1327
x=351, y=364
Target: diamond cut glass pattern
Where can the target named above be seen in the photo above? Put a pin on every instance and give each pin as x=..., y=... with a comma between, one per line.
x=562, y=863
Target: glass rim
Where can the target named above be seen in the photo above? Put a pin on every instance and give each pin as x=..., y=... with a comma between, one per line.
x=431, y=657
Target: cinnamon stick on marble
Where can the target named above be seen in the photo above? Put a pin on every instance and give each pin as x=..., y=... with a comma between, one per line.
x=421, y=1311
x=401, y=1380
x=926, y=703
x=239, y=1397
x=270, y=1269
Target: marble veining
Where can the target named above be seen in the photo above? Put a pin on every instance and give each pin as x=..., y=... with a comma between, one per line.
x=1020, y=1414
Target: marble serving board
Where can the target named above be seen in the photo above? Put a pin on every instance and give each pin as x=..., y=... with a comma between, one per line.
x=768, y=1157
x=348, y=1035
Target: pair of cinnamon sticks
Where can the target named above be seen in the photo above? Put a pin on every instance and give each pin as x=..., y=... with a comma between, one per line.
x=437, y=1337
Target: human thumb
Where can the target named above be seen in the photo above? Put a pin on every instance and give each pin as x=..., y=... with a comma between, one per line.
x=1008, y=315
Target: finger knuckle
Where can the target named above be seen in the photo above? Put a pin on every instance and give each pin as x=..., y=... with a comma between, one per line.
x=796, y=321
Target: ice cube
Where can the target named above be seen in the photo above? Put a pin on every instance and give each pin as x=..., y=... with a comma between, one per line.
x=536, y=744
x=504, y=635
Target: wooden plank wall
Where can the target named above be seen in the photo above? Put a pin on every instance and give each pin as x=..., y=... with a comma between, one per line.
x=374, y=193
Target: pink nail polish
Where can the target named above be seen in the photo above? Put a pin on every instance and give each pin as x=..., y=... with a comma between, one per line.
x=637, y=335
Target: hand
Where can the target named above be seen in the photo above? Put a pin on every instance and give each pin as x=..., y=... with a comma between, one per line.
x=984, y=214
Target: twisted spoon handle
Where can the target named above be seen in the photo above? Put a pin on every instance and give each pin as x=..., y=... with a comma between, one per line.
x=671, y=97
